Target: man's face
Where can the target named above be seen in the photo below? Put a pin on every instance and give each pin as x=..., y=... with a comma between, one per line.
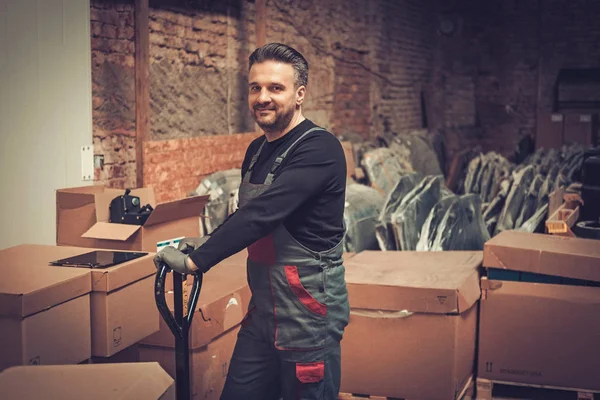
x=273, y=97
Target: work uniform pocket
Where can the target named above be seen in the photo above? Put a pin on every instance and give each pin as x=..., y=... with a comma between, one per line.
x=303, y=295
x=300, y=307
x=310, y=380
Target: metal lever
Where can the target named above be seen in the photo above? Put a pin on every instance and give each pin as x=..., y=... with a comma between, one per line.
x=178, y=323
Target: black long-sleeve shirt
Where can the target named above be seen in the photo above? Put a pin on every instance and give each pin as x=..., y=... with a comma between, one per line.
x=307, y=196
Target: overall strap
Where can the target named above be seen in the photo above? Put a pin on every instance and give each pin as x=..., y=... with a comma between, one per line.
x=282, y=157
x=248, y=173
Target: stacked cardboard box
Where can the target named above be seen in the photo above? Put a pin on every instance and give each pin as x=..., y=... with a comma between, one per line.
x=44, y=312
x=223, y=302
x=65, y=315
x=413, y=322
x=540, y=303
x=146, y=381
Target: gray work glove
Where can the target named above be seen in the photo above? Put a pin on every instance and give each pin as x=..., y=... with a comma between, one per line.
x=174, y=259
x=190, y=244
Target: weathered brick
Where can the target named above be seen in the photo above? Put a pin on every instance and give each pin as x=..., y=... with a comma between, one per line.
x=361, y=63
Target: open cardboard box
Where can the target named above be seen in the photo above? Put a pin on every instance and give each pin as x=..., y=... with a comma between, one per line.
x=143, y=381
x=82, y=219
x=413, y=322
x=44, y=313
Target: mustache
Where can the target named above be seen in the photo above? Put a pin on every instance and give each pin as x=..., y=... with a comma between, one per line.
x=262, y=108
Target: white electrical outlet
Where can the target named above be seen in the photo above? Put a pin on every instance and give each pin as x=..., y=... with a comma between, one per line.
x=87, y=163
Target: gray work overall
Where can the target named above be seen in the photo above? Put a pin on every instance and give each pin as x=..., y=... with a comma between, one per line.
x=289, y=343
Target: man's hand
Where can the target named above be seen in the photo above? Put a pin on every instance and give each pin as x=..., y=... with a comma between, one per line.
x=176, y=260
x=192, y=243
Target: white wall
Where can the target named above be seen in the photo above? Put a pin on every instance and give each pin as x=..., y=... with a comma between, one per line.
x=45, y=112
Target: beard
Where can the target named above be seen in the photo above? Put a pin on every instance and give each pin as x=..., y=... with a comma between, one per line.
x=278, y=122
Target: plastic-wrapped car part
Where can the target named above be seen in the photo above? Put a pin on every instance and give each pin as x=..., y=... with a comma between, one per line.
x=494, y=210
x=462, y=227
x=490, y=224
x=503, y=173
x=551, y=158
x=363, y=206
x=408, y=219
x=432, y=223
x=384, y=231
x=221, y=187
x=522, y=178
x=416, y=149
x=485, y=176
x=548, y=185
x=530, y=204
x=535, y=224
x=384, y=168
x=472, y=172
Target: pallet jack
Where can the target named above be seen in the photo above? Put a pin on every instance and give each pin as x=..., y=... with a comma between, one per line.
x=178, y=323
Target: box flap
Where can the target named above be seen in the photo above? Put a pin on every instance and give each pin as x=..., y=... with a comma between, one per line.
x=86, y=381
x=178, y=209
x=113, y=278
x=29, y=285
x=103, y=200
x=72, y=198
x=544, y=254
x=429, y=282
x=89, y=189
x=108, y=231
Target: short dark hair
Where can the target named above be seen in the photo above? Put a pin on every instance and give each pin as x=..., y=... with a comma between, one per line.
x=285, y=54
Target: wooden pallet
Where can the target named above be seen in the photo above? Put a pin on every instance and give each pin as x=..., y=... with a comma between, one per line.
x=500, y=390
x=468, y=393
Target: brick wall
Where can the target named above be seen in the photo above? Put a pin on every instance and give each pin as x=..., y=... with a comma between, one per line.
x=371, y=62
x=497, y=70
x=190, y=160
x=113, y=91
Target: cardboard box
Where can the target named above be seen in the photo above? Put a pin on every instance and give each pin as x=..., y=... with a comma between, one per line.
x=143, y=381
x=550, y=128
x=123, y=310
x=44, y=313
x=223, y=302
x=541, y=334
x=413, y=322
x=580, y=128
x=127, y=355
x=209, y=364
x=82, y=216
x=544, y=254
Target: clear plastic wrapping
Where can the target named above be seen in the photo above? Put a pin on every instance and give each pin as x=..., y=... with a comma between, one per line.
x=384, y=230
x=462, y=227
x=383, y=168
x=361, y=213
x=410, y=216
x=433, y=223
x=222, y=187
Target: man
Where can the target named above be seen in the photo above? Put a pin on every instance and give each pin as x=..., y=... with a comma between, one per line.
x=290, y=218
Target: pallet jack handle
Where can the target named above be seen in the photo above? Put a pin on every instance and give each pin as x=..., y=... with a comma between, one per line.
x=178, y=323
